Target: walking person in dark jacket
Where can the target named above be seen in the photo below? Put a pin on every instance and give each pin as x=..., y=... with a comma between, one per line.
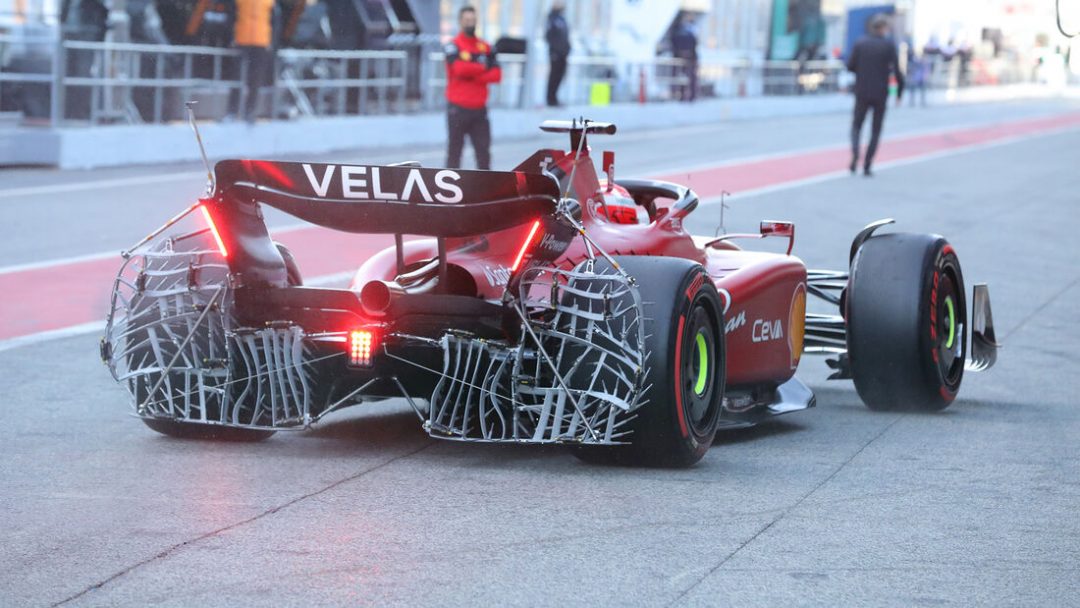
x=470, y=67
x=684, y=43
x=558, y=41
x=872, y=60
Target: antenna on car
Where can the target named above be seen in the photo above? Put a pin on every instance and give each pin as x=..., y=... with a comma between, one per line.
x=577, y=153
x=210, y=185
x=723, y=205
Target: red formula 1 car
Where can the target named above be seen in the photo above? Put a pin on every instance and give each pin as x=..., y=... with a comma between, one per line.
x=547, y=304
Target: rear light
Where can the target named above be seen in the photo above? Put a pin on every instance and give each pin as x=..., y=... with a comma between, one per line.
x=525, y=246
x=214, y=231
x=362, y=343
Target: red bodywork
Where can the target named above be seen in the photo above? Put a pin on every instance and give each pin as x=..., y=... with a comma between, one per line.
x=765, y=293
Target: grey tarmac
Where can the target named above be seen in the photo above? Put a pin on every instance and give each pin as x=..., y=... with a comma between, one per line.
x=834, y=506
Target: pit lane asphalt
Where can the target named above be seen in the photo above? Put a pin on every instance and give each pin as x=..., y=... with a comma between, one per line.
x=834, y=506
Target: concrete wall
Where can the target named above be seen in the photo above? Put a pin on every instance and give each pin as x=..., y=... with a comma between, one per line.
x=148, y=144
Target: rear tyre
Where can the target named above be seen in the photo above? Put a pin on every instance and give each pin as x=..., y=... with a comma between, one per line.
x=214, y=432
x=906, y=322
x=686, y=363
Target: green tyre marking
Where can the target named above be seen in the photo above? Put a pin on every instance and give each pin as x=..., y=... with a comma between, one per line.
x=952, y=322
x=703, y=365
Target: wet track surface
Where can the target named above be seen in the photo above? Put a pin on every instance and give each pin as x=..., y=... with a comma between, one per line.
x=837, y=505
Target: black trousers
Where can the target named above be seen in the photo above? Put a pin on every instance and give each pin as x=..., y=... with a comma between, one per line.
x=474, y=123
x=555, y=78
x=258, y=61
x=689, y=91
x=862, y=105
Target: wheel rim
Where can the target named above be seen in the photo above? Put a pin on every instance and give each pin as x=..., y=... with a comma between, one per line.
x=700, y=377
x=950, y=330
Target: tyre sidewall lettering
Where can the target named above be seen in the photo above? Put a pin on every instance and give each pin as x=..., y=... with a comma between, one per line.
x=946, y=264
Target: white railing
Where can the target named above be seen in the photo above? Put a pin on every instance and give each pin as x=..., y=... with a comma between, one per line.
x=106, y=82
x=72, y=82
x=661, y=79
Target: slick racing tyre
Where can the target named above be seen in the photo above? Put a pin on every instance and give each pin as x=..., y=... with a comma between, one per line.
x=686, y=364
x=194, y=430
x=906, y=322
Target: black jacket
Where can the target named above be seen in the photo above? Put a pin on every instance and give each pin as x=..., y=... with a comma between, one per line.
x=872, y=59
x=558, y=36
x=684, y=42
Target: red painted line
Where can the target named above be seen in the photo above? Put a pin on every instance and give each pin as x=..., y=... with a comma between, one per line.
x=709, y=183
x=49, y=298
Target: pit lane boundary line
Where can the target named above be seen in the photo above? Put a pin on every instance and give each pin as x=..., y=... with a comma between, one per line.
x=339, y=278
x=885, y=165
x=1028, y=129
x=681, y=173
x=629, y=136
x=113, y=255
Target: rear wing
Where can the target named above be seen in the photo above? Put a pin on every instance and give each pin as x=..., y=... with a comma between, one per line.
x=394, y=199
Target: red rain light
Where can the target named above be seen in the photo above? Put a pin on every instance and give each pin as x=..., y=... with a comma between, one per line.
x=214, y=231
x=361, y=347
x=525, y=245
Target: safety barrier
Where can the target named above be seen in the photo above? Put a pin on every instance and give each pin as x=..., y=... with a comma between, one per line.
x=28, y=63
x=321, y=83
x=661, y=79
x=83, y=82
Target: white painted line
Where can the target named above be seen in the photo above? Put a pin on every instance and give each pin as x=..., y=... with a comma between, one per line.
x=52, y=334
x=106, y=255
x=340, y=279
x=141, y=180
x=92, y=257
x=914, y=134
x=733, y=198
x=628, y=137
x=844, y=173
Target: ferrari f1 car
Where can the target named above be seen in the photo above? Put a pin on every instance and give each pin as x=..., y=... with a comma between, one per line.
x=548, y=304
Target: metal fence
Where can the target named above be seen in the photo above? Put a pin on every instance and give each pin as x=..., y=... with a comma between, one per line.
x=661, y=79
x=81, y=82
x=321, y=83
x=44, y=80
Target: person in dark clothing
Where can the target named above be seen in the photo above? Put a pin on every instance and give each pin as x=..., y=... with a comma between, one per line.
x=684, y=46
x=471, y=65
x=873, y=60
x=253, y=36
x=558, y=41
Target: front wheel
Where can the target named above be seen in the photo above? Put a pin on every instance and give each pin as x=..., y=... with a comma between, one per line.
x=907, y=322
x=686, y=366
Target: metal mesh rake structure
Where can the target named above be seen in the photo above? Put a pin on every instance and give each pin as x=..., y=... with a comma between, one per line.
x=574, y=373
x=576, y=377
x=171, y=341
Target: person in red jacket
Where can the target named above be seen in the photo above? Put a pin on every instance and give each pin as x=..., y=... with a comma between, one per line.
x=471, y=66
